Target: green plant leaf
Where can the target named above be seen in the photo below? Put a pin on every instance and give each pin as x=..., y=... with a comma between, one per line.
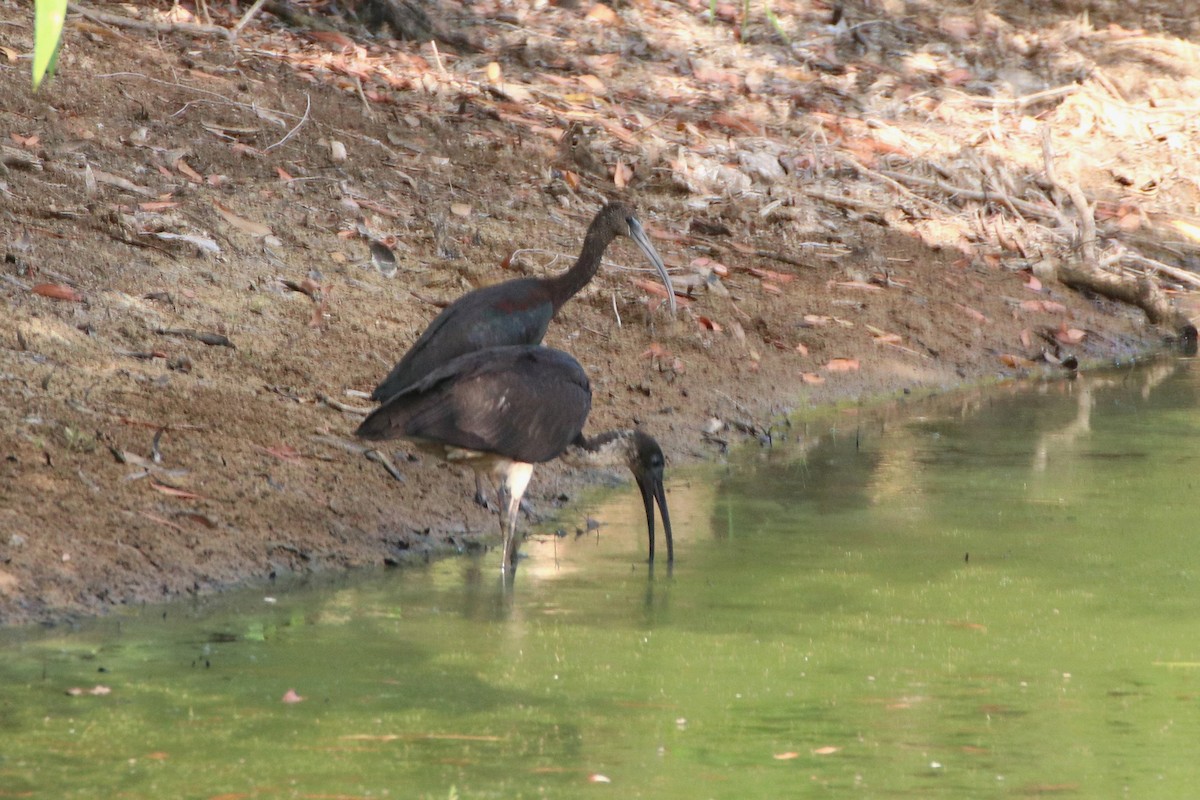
x=49, y=16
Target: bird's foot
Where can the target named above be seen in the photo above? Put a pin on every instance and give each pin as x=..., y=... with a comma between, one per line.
x=482, y=500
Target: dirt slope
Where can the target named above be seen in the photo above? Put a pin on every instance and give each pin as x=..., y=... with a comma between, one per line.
x=187, y=274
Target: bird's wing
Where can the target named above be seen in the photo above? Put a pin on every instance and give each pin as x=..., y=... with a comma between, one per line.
x=510, y=313
x=525, y=403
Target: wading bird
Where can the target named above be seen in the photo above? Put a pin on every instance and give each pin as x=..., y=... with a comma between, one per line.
x=517, y=311
x=502, y=410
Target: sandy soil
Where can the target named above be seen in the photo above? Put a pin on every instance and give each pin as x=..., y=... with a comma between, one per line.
x=165, y=424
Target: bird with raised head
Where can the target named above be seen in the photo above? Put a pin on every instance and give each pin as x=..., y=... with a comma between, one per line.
x=504, y=409
x=518, y=311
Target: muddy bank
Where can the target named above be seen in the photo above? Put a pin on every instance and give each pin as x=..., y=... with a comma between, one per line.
x=188, y=280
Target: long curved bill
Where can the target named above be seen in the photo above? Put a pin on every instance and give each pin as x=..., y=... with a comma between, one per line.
x=653, y=492
x=638, y=234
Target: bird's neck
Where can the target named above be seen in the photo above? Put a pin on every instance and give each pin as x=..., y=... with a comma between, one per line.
x=563, y=287
x=608, y=449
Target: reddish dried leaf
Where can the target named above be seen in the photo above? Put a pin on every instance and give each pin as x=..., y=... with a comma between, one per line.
x=770, y=288
x=622, y=173
x=827, y=750
x=283, y=174
x=958, y=76
x=812, y=378
x=284, y=452
x=602, y=14
x=842, y=365
x=861, y=285
x=1128, y=223
x=1026, y=338
x=802, y=349
x=708, y=324
x=1031, y=305
x=771, y=275
x=158, y=205
x=655, y=350
x=56, y=291
x=335, y=39
x=1016, y=362
x=593, y=83
x=788, y=756
x=182, y=494
x=657, y=289
x=618, y=130
x=188, y=172
x=1033, y=284
x=736, y=123
x=1053, y=307
x=978, y=316
x=290, y=696
x=255, y=229
x=1069, y=335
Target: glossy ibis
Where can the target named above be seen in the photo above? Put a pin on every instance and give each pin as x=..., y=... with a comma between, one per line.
x=502, y=410
x=518, y=311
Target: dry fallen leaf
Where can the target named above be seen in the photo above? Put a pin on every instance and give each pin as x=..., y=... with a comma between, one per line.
x=593, y=83
x=460, y=209
x=1033, y=284
x=708, y=324
x=1016, y=362
x=771, y=275
x=655, y=350
x=861, y=285
x=827, y=750
x=56, y=291
x=788, y=756
x=622, y=173
x=255, y=229
x=978, y=316
x=284, y=452
x=188, y=172
x=812, y=378
x=1069, y=335
x=602, y=14
x=842, y=365
x=657, y=289
x=182, y=494
x=290, y=696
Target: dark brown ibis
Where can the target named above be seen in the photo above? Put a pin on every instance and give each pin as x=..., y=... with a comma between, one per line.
x=502, y=410
x=518, y=311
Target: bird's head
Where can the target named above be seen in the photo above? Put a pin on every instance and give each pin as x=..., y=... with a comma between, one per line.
x=620, y=219
x=646, y=462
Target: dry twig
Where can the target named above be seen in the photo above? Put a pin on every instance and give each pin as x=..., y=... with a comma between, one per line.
x=120, y=21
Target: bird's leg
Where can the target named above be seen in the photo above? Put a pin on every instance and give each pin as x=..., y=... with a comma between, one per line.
x=512, y=488
x=480, y=493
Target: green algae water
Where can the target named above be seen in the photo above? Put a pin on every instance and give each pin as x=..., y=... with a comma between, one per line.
x=992, y=594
